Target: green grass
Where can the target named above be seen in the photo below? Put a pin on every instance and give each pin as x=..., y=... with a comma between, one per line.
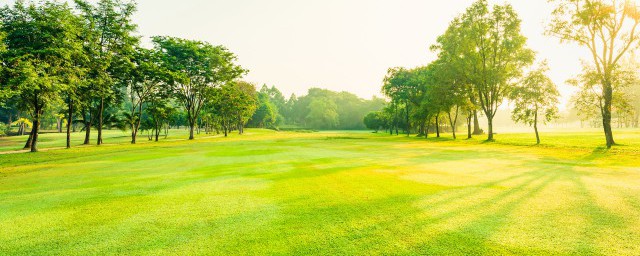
x=323, y=193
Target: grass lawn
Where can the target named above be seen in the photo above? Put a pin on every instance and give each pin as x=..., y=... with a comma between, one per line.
x=323, y=193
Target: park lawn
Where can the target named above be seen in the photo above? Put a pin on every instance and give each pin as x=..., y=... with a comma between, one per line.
x=324, y=193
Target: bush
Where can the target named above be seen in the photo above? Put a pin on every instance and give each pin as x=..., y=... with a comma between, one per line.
x=4, y=129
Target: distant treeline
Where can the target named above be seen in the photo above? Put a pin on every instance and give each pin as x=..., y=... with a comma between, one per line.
x=320, y=109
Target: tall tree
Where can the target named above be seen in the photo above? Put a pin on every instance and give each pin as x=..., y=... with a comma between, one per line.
x=109, y=41
x=145, y=81
x=487, y=45
x=198, y=68
x=536, y=96
x=41, y=41
x=399, y=87
x=590, y=100
x=609, y=29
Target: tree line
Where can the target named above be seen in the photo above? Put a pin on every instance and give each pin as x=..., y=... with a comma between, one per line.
x=484, y=61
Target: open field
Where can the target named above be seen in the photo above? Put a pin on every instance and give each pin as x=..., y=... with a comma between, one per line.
x=323, y=193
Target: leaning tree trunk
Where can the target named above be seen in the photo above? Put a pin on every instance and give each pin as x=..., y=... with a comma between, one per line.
x=606, y=114
x=454, y=122
x=36, y=127
x=30, y=139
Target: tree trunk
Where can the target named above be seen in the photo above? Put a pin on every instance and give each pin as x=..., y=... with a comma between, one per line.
x=490, y=124
x=476, y=124
x=535, y=127
x=36, y=127
x=100, y=110
x=34, y=141
x=30, y=139
x=426, y=131
x=87, y=132
x=191, y=128
x=69, y=123
x=606, y=114
x=157, y=129
x=395, y=119
x=408, y=123
x=225, y=127
x=469, y=117
x=454, y=122
x=59, y=124
x=438, y=126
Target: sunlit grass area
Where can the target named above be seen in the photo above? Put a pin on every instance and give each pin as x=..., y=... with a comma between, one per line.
x=323, y=193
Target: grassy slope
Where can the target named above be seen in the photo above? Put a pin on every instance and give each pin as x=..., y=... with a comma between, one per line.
x=324, y=193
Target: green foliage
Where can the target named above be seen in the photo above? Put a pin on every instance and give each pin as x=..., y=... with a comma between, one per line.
x=4, y=129
x=266, y=114
x=42, y=41
x=323, y=114
x=349, y=110
x=232, y=105
x=197, y=69
x=536, y=95
x=376, y=120
x=486, y=47
x=609, y=30
x=535, y=99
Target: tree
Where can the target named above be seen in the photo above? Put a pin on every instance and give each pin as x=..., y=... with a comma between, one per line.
x=41, y=41
x=146, y=79
x=399, y=87
x=323, y=114
x=197, y=69
x=609, y=29
x=158, y=113
x=375, y=120
x=536, y=96
x=246, y=101
x=108, y=43
x=266, y=113
x=590, y=100
x=233, y=105
x=488, y=47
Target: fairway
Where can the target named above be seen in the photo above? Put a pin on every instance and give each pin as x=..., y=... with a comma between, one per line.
x=326, y=193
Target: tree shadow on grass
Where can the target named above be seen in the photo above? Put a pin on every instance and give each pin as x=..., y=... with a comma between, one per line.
x=472, y=237
x=599, y=219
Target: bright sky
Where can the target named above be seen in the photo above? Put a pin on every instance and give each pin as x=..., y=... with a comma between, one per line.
x=337, y=44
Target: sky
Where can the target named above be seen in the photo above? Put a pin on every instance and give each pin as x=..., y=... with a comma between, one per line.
x=342, y=45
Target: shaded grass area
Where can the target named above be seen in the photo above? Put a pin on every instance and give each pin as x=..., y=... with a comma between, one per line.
x=323, y=193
